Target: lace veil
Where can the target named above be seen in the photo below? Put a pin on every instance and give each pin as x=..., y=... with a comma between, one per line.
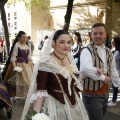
x=42, y=57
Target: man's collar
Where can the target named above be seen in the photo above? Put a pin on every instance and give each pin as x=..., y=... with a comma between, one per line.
x=100, y=46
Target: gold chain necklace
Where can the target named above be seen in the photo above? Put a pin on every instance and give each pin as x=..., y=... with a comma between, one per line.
x=59, y=58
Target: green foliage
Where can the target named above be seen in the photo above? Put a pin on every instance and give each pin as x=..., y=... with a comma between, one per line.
x=30, y=114
x=39, y=4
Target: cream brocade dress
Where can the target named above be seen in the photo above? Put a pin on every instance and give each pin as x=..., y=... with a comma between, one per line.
x=54, y=108
x=22, y=55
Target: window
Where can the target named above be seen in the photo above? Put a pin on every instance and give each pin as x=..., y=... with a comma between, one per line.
x=15, y=15
x=8, y=24
x=8, y=16
x=15, y=24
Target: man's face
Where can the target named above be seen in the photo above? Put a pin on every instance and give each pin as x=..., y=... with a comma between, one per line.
x=98, y=35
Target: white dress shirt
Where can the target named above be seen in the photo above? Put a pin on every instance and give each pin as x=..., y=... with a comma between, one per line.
x=87, y=69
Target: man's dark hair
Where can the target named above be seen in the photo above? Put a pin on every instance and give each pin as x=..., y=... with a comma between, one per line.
x=98, y=25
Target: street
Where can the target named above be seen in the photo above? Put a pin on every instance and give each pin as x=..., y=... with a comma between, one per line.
x=17, y=111
x=113, y=113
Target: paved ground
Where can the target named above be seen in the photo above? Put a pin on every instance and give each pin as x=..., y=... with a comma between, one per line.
x=113, y=113
x=17, y=111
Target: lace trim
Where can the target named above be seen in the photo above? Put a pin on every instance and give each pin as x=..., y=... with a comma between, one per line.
x=38, y=94
x=48, y=68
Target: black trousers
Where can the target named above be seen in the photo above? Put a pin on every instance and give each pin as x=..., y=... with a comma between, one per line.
x=95, y=105
x=115, y=93
x=1, y=57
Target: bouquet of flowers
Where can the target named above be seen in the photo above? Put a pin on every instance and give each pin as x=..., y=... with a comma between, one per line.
x=40, y=116
x=33, y=115
x=18, y=69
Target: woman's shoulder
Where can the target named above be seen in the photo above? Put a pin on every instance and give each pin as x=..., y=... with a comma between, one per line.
x=116, y=54
x=116, y=51
x=16, y=45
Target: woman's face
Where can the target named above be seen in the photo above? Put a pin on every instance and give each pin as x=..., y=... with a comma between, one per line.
x=87, y=36
x=23, y=38
x=75, y=38
x=63, y=44
x=113, y=43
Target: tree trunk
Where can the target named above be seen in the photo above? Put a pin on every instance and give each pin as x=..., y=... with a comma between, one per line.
x=4, y=22
x=68, y=15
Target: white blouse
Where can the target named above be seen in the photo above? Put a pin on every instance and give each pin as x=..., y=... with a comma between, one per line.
x=15, y=51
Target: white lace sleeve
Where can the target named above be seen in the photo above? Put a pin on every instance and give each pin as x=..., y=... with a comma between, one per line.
x=39, y=93
x=14, y=53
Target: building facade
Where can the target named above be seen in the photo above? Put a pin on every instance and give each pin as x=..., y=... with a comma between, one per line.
x=18, y=19
x=85, y=13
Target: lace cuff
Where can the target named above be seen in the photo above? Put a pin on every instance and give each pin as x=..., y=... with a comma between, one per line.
x=38, y=94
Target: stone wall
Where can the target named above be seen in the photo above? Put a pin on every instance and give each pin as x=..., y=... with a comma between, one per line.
x=113, y=18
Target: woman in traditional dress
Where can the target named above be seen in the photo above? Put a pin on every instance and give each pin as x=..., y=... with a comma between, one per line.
x=20, y=56
x=58, y=87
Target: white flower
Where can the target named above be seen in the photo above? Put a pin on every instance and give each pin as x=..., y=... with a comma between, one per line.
x=18, y=69
x=40, y=116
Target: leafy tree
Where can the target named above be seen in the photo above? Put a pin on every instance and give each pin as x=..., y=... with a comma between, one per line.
x=32, y=3
x=4, y=22
x=68, y=15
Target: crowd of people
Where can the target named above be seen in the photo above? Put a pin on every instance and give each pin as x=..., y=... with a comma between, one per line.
x=66, y=69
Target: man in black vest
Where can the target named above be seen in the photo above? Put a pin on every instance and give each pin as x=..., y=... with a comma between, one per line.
x=98, y=68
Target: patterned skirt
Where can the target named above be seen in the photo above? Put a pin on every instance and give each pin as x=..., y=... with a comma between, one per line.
x=59, y=111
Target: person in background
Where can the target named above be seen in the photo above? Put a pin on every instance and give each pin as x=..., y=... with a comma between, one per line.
x=5, y=101
x=1, y=50
x=19, y=57
x=42, y=42
x=57, y=83
x=108, y=42
x=87, y=39
x=76, y=48
x=95, y=88
x=30, y=43
x=4, y=51
x=11, y=43
x=116, y=55
x=113, y=46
